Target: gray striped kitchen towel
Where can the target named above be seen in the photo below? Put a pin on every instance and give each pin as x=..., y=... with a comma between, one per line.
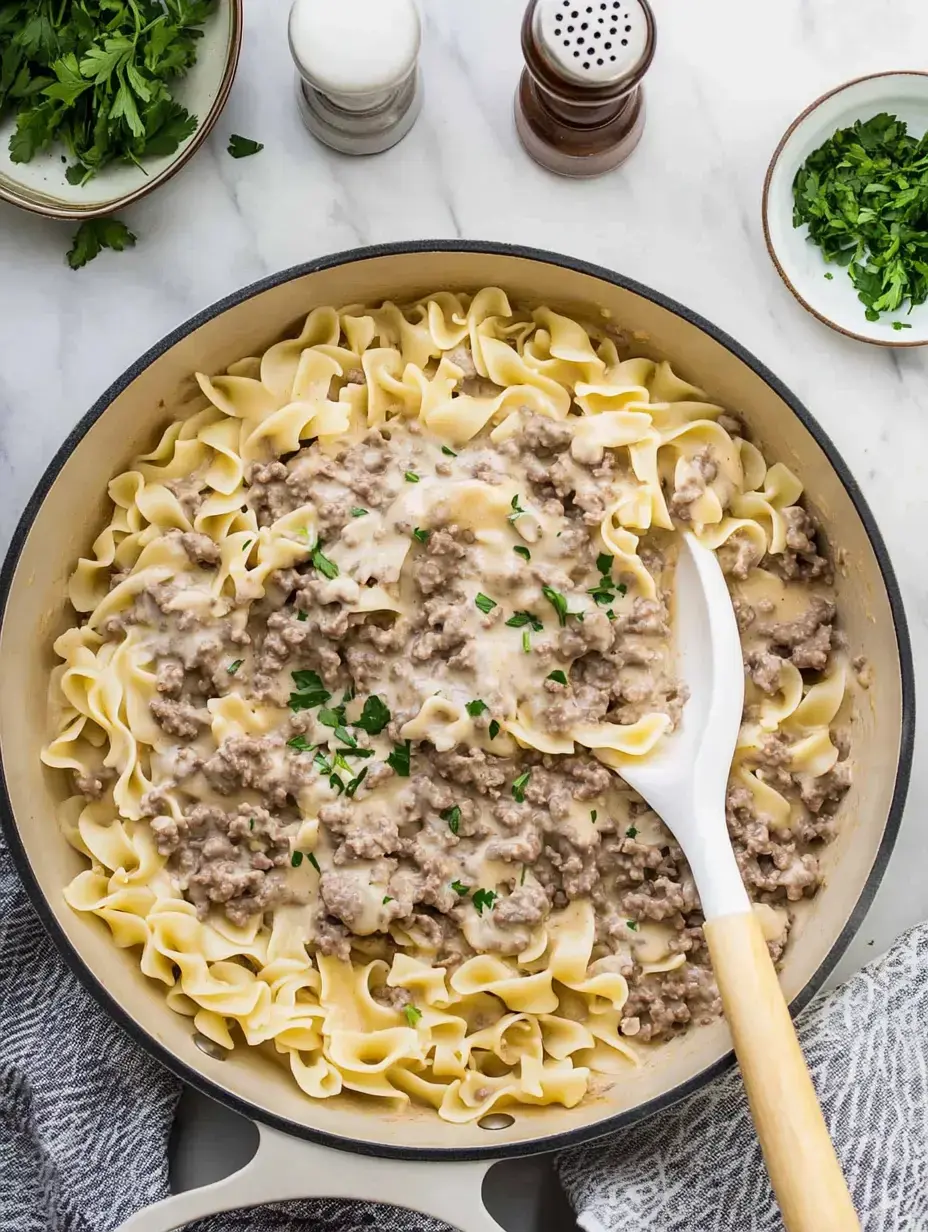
x=85, y=1115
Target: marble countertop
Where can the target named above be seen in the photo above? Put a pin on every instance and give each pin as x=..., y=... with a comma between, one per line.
x=683, y=216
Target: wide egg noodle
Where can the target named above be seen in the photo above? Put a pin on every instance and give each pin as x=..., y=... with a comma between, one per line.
x=495, y=1030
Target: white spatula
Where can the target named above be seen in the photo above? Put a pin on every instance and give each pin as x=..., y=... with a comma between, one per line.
x=685, y=782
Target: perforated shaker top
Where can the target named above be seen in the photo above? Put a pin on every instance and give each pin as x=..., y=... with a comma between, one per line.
x=592, y=41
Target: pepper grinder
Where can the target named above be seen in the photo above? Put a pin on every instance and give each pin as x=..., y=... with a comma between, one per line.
x=358, y=84
x=580, y=105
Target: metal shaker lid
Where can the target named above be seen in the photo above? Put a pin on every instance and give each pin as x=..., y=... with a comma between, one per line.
x=592, y=42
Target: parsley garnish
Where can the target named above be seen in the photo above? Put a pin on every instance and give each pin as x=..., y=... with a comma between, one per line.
x=484, y=898
x=355, y=753
x=311, y=691
x=633, y=925
x=326, y=567
x=335, y=718
x=233, y=667
x=517, y=509
x=485, y=603
x=493, y=729
x=476, y=707
x=386, y=899
x=321, y=764
x=558, y=602
x=522, y=878
x=901, y=325
x=300, y=744
x=864, y=195
x=526, y=642
x=460, y=889
x=337, y=783
x=247, y=544
x=449, y=452
x=411, y=477
x=422, y=536
x=604, y=563
x=411, y=1014
x=356, y=783
x=519, y=785
x=251, y=823
x=829, y=276
x=518, y=619
x=399, y=759
x=521, y=550
x=97, y=78
x=631, y=832
x=302, y=616
x=593, y=816
x=557, y=676
x=95, y=234
x=313, y=861
x=296, y=859
x=358, y=512
x=243, y=147
x=453, y=817
x=374, y=717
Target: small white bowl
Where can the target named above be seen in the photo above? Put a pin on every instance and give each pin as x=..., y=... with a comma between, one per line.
x=800, y=263
x=40, y=185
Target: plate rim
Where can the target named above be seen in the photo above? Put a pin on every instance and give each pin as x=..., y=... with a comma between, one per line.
x=80, y=213
x=890, y=343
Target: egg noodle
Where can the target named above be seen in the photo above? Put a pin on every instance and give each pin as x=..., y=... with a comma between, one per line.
x=494, y=1027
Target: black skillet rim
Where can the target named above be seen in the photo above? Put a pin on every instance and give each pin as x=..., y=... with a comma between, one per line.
x=621, y=1120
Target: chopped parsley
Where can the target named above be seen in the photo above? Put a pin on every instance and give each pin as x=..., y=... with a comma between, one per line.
x=243, y=147
x=453, y=817
x=518, y=619
x=411, y=1014
x=476, y=707
x=522, y=878
x=355, y=753
x=251, y=823
x=326, y=567
x=313, y=861
x=901, y=325
x=374, y=717
x=386, y=899
x=233, y=667
x=302, y=616
x=247, y=544
x=611, y=614
x=526, y=642
x=631, y=832
x=399, y=759
x=829, y=276
x=517, y=509
x=633, y=925
x=460, y=889
x=519, y=785
x=484, y=899
x=558, y=602
x=593, y=815
x=484, y=602
x=321, y=764
x=358, y=512
x=521, y=550
x=605, y=591
x=356, y=783
x=557, y=676
x=449, y=452
x=493, y=729
x=337, y=783
x=420, y=535
x=411, y=477
x=604, y=563
x=300, y=744
x=335, y=718
x=296, y=859
x=311, y=692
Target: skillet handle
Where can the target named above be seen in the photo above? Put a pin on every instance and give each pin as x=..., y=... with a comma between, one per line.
x=804, y=1170
x=284, y=1167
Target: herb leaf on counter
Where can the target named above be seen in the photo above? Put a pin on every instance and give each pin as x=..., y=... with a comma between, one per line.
x=864, y=196
x=243, y=147
x=95, y=234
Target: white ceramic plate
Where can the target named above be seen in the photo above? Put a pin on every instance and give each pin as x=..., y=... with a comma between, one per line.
x=40, y=185
x=800, y=263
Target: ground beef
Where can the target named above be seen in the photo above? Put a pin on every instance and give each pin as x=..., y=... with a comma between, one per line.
x=179, y=718
x=764, y=669
x=693, y=477
x=806, y=641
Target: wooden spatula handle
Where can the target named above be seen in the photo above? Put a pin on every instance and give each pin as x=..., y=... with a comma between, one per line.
x=804, y=1170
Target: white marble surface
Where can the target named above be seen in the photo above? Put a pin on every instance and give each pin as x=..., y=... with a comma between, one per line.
x=682, y=216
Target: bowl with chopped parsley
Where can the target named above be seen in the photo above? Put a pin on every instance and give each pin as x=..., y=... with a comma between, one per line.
x=103, y=100
x=845, y=209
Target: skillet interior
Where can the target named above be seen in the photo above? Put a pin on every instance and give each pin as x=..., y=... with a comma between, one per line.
x=67, y=512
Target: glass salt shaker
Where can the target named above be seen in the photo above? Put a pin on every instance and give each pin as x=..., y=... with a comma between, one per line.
x=358, y=85
x=580, y=105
